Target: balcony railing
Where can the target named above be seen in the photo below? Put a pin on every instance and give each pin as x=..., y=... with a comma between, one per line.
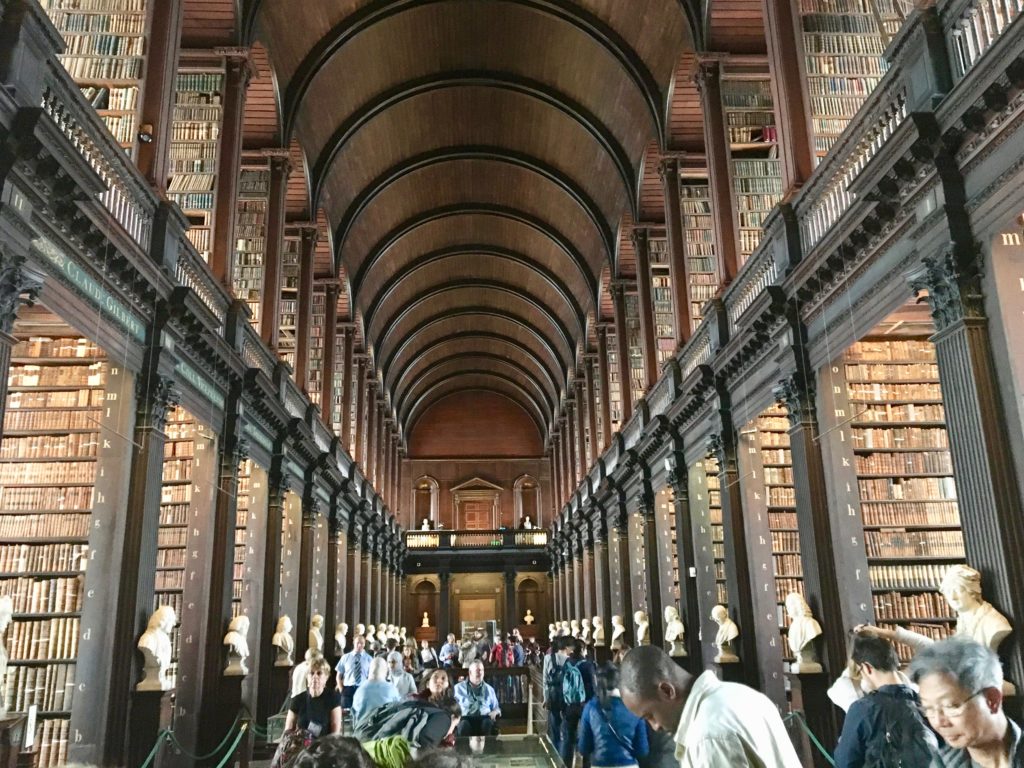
x=496, y=539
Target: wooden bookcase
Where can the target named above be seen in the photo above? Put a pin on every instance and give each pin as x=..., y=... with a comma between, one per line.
x=315, y=378
x=661, y=298
x=106, y=56
x=338, y=393
x=712, y=487
x=250, y=539
x=195, y=146
x=291, y=553
x=843, y=46
x=637, y=375
x=699, y=235
x=614, y=387
x=668, y=549
x=288, y=308
x=251, y=236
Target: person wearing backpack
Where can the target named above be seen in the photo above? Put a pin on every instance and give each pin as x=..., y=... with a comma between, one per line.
x=884, y=729
x=577, y=689
x=554, y=703
x=609, y=734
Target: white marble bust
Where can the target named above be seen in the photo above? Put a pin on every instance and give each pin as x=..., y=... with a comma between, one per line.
x=316, y=632
x=360, y=631
x=618, y=633
x=564, y=627
x=642, y=624
x=340, y=638
x=238, y=647
x=528, y=619
x=598, y=632
x=585, y=630
x=426, y=620
x=727, y=632
x=155, y=645
x=282, y=640
x=401, y=635
x=574, y=628
x=674, y=632
x=976, y=618
x=370, y=634
x=552, y=632
x=803, y=629
x=6, y=614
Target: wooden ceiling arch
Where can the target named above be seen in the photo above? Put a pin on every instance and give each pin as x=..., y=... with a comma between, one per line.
x=485, y=380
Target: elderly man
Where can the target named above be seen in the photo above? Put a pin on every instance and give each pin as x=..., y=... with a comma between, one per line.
x=961, y=691
x=715, y=724
x=479, y=703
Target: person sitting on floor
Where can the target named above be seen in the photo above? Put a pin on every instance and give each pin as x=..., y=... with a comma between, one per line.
x=375, y=692
x=422, y=724
x=318, y=708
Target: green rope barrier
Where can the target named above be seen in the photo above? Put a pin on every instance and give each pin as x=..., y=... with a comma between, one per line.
x=152, y=753
x=231, y=751
x=798, y=716
x=177, y=744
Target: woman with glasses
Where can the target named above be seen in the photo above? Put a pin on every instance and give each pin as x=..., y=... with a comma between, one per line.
x=316, y=710
x=961, y=690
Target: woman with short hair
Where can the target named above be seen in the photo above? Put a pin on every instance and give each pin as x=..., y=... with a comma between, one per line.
x=318, y=708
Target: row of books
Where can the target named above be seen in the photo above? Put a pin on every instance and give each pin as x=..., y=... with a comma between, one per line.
x=50, y=687
x=179, y=449
x=902, y=412
x=184, y=153
x=176, y=470
x=45, y=346
x=176, y=494
x=893, y=372
x=169, y=536
x=174, y=513
x=68, y=21
x=21, y=420
x=907, y=576
x=840, y=23
x=943, y=513
x=194, y=201
x=121, y=127
x=104, y=45
x=43, y=639
x=192, y=182
x=910, y=488
x=52, y=736
x=29, y=558
x=48, y=472
x=843, y=64
x=896, y=605
x=785, y=585
x=778, y=475
x=171, y=558
x=45, y=525
x=103, y=6
x=938, y=544
x=94, y=68
x=785, y=541
x=193, y=131
x=198, y=87
x=49, y=595
x=25, y=375
x=45, y=497
x=867, y=438
x=788, y=565
x=887, y=392
x=75, y=445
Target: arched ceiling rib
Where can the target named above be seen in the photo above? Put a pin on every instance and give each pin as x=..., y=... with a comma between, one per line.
x=475, y=159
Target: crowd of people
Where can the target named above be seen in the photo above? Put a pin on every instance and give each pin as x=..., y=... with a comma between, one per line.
x=643, y=709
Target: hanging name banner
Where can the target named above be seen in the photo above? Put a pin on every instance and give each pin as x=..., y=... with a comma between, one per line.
x=68, y=270
x=259, y=438
x=200, y=384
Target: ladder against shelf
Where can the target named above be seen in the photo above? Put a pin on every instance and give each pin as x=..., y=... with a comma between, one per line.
x=699, y=237
x=250, y=234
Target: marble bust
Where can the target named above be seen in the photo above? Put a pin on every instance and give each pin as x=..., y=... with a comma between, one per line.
x=360, y=631
x=976, y=618
x=642, y=628
x=574, y=628
x=618, y=633
x=552, y=632
x=238, y=647
x=564, y=627
x=426, y=620
x=370, y=635
x=598, y=624
x=528, y=619
x=282, y=640
x=316, y=632
x=155, y=645
x=6, y=614
x=803, y=630
x=674, y=632
x=585, y=630
x=727, y=632
x=340, y=638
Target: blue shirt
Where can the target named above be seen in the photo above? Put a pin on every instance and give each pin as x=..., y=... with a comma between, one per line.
x=370, y=695
x=347, y=667
x=449, y=654
x=476, y=699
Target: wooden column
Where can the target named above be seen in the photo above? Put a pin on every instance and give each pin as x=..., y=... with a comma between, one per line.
x=602, y=582
x=237, y=74
x=606, y=398
x=330, y=346
x=696, y=613
x=618, y=291
x=678, y=273
x=307, y=249
x=371, y=425
x=587, y=570
x=385, y=584
x=784, y=36
x=270, y=316
x=591, y=400
x=444, y=616
x=157, y=92
x=354, y=568
x=336, y=576
x=358, y=400
x=555, y=479
x=366, y=568
x=653, y=574
x=567, y=456
x=307, y=564
x=378, y=604
x=648, y=344
x=267, y=701
x=347, y=398
x=716, y=147
x=511, y=619
x=619, y=559
x=581, y=425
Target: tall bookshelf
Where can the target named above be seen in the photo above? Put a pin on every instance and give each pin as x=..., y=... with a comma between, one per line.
x=287, y=342
x=250, y=539
x=843, y=45
x=251, y=237
x=195, y=144
x=712, y=483
x=777, y=464
x=614, y=376
x=338, y=394
x=106, y=56
x=661, y=298
x=637, y=374
x=701, y=257
x=905, y=481
x=668, y=548
x=315, y=383
x=756, y=169
x=48, y=466
x=242, y=513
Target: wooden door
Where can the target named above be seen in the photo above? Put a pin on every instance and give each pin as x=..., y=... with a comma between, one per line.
x=476, y=515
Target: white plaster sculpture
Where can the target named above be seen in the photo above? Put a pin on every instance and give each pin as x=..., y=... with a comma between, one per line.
x=643, y=636
x=674, y=632
x=401, y=635
x=552, y=632
x=340, y=638
x=727, y=632
x=563, y=628
x=371, y=632
x=528, y=619
x=282, y=640
x=574, y=628
x=238, y=647
x=527, y=523
x=426, y=620
x=392, y=632
x=316, y=632
x=155, y=645
x=360, y=631
x=598, y=632
x=618, y=633
x=6, y=614
x=585, y=630
x=382, y=633
x=803, y=629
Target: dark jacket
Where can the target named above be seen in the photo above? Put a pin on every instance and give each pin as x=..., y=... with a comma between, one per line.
x=421, y=724
x=613, y=737
x=889, y=716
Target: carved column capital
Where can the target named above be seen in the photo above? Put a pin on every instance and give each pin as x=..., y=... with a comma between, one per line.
x=157, y=395
x=716, y=447
x=795, y=393
x=707, y=73
x=678, y=480
x=18, y=285
x=953, y=282
x=639, y=236
x=240, y=450
x=668, y=167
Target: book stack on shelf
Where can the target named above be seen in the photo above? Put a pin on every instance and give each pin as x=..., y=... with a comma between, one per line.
x=242, y=498
x=756, y=169
x=105, y=55
x=614, y=389
x=598, y=410
x=637, y=374
x=904, y=469
x=670, y=547
x=713, y=485
x=843, y=47
x=777, y=461
x=48, y=465
x=287, y=343
x=338, y=395
x=175, y=511
x=195, y=144
x=250, y=237
x=701, y=257
x=315, y=375
x=661, y=298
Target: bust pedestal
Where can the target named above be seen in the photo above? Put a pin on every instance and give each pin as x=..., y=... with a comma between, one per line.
x=730, y=672
x=809, y=694
x=528, y=631
x=425, y=633
x=150, y=713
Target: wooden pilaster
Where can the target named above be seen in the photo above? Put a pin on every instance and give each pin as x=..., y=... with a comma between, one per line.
x=347, y=389
x=678, y=273
x=330, y=362
x=270, y=317
x=606, y=398
x=618, y=291
x=307, y=248
x=591, y=400
x=648, y=344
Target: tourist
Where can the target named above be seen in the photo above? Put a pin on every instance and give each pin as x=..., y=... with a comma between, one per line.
x=552, y=674
x=403, y=681
x=449, y=656
x=435, y=687
x=428, y=656
x=375, y=692
x=609, y=734
x=301, y=671
x=353, y=668
x=479, y=703
x=317, y=710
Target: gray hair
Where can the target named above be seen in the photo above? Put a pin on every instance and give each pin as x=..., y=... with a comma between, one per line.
x=645, y=668
x=974, y=666
x=378, y=669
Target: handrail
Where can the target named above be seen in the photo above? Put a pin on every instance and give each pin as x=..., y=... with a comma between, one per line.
x=501, y=538
x=973, y=26
x=190, y=270
x=255, y=353
x=698, y=350
x=758, y=273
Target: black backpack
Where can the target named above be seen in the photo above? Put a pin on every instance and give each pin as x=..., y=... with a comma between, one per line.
x=901, y=738
x=553, y=698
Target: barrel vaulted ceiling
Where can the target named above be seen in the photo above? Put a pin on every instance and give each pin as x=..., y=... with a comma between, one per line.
x=475, y=161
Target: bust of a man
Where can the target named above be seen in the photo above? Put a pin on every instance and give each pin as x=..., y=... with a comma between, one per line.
x=574, y=628
x=552, y=632
x=282, y=640
x=316, y=632
x=340, y=638
x=642, y=626
x=674, y=632
x=585, y=630
x=618, y=633
x=238, y=647
x=528, y=619
x=426, y=620
x=976, y=618
x=155, y=645
x=803, y=629
x=598, y=624
x=727, y=632
x=6, y=614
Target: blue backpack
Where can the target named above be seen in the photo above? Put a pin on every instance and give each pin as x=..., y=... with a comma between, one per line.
x=573, y=691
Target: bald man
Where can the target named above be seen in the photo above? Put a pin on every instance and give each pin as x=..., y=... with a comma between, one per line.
x=715, y=724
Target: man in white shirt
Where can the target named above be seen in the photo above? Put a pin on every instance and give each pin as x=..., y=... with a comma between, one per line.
x=715, y=724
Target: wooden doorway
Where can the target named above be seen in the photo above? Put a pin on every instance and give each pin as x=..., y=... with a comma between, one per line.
x=477, y=505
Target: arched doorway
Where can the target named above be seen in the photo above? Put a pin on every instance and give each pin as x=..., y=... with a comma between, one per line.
x=424, y=503
x=526, y=495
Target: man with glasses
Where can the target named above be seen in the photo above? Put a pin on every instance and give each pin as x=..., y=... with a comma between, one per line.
x=884, y=727
x=961, y=690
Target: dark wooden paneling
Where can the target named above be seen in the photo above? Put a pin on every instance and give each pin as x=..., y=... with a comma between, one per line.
x=209, y=23
x=260, y=124
x=474, y=424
